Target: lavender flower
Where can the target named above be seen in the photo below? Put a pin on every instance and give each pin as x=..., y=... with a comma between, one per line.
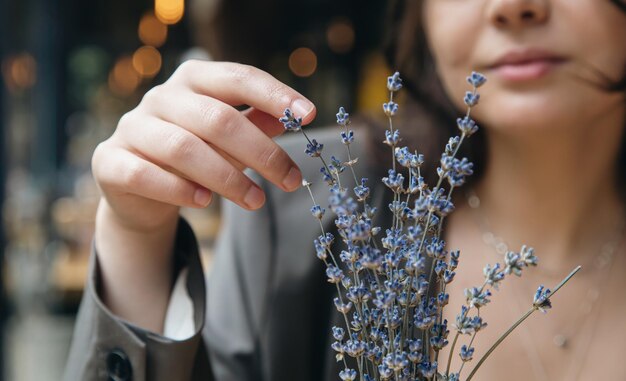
x=493, y=275
x=394, y=181
x=338, y=333
x=343, y=118
x=344, y=308
x=528, y=256
x=362, y=191
x=390, y=108
x=334, y=274
x=476, y=79
x=392, y=138
x=327, y=176
x=471, y=99
x=428, y=369
x=390, y=299
x=439, y=334
x=394, y=83
x=476, y=297
x=314, y=149
x=513, y=263
x=347, y=137
x=466, y=125
x=541, y=301
x=348, y=374
x=320, y=250
x=337, y=166
x=466, y=353
x=317, y=211
x=290, y=121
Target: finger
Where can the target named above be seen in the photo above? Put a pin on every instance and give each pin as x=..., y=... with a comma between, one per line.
x=266, y=122
x=128, y=173
x=229, y=131
x=170, y=146
x=234, y=162
x=237, y=84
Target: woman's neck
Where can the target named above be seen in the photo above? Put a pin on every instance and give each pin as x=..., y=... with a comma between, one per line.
x=555, y=190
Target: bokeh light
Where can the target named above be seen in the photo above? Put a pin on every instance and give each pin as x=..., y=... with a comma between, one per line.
x=169, y=11
x=152, y=31
x=19, y=71
x=303, y=62
x=123, y=78
x=147, y=61
x=340, y=36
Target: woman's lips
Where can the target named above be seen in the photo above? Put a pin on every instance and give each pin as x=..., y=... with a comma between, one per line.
x=526, y=70
x=525, y=64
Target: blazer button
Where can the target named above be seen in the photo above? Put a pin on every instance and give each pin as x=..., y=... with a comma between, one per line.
x=118, y=366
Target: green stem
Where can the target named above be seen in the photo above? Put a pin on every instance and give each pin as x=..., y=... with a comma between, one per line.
x=518, y=322
x=456, y=337
x=567, y=278
x=500, y=340
x=356, y=182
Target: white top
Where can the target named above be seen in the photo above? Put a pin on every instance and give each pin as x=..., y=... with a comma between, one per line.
x=179, y=324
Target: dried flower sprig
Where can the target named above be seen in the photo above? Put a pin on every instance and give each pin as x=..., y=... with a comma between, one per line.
x=541, y=302
x=392, y=299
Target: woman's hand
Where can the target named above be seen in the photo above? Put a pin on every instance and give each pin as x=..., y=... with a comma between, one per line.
x=184, y=142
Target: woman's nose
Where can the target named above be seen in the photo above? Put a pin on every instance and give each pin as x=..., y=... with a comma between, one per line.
x=518, y=13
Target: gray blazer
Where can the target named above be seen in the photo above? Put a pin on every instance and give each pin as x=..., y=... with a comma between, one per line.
x=266, y=310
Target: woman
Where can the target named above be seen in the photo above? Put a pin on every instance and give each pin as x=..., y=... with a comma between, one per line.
x=551, y=177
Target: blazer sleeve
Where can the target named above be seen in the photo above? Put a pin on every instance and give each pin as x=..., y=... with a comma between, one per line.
x=105, y=347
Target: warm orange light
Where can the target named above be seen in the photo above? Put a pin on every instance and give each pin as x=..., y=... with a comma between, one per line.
x=20, y=72
x=147, y=61
x=123, y=79
x=303, y=62
x=169, y=11
x=340, y=36
x=152, y=31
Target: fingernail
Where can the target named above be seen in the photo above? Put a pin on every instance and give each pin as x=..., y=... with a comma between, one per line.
x=301, y=107
x=293, y=179
x=254, y=198
x=202, y=197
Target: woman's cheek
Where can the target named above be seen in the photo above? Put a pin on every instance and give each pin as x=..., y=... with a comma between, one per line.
x=453, y=66
x=451, y=36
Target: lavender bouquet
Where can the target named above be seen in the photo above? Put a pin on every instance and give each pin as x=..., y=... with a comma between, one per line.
x=392, y=291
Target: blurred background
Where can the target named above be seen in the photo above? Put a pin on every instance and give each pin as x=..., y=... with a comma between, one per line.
x=71, y=68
